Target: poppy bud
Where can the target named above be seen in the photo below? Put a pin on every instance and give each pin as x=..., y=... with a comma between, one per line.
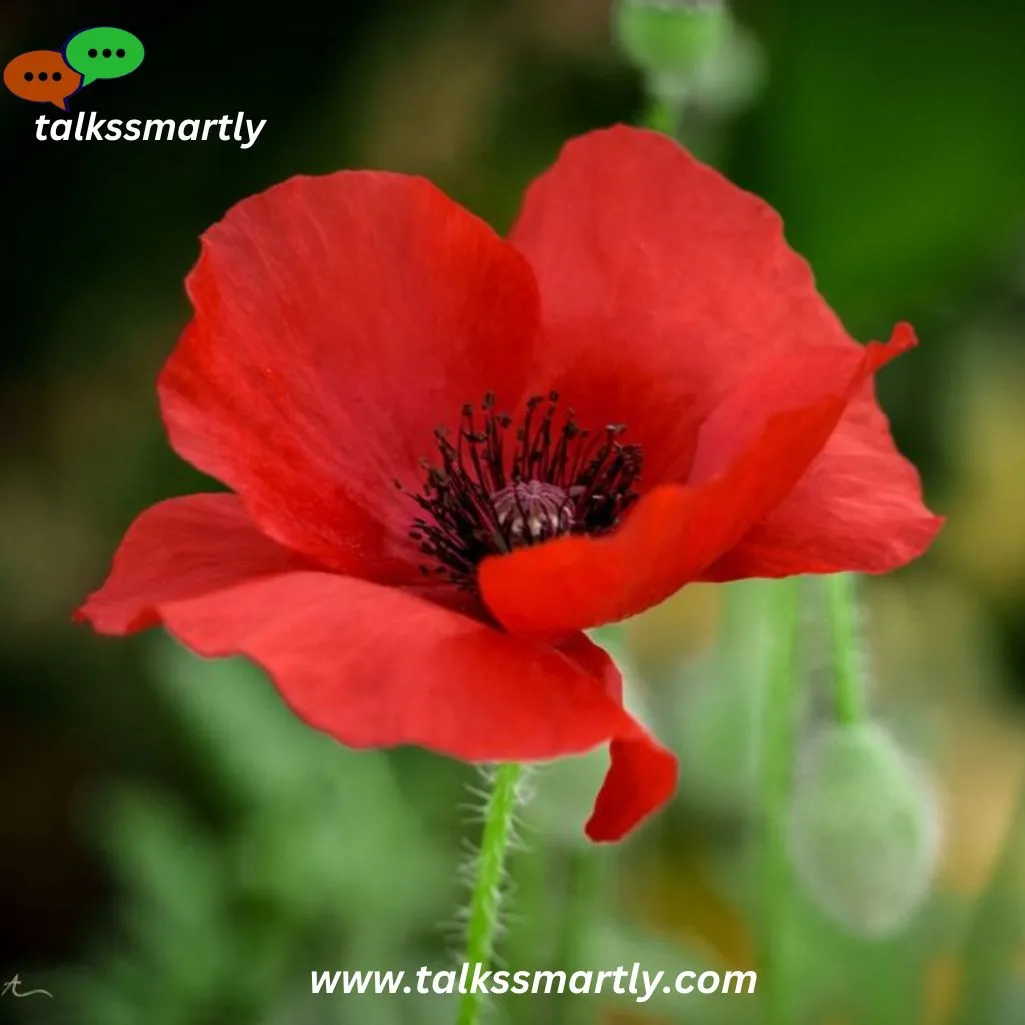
x=863, y=830
x=670, y=38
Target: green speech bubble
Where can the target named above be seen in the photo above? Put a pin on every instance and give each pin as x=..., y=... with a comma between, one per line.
x=103, y=52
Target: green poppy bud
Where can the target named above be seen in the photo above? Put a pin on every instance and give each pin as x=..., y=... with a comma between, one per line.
x=863, y=829
x=668, y=38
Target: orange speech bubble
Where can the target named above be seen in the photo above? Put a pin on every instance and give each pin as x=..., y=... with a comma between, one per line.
x=41, y=76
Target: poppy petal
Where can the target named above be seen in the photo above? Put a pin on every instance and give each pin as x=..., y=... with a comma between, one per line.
x=752, y=451
x=605, y=386
x=641, y=778
x=378, y=667
x=642, y=773
x=182, y=548
x=858, y=508
x=338, y=321
x=651, y=262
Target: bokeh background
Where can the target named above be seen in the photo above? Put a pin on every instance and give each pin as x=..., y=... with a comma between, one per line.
x=174, y=848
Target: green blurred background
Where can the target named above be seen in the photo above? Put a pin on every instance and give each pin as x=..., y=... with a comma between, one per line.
x=174, y=848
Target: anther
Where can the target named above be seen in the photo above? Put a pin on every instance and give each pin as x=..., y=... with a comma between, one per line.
x=494, y=493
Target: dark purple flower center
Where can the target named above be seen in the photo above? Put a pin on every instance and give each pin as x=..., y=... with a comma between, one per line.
x=499, y=488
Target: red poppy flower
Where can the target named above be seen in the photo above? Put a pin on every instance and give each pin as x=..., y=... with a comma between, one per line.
x=450, y=454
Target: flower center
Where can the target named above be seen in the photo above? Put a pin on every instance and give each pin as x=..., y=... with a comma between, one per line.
x=498, y=488
x=533, y=511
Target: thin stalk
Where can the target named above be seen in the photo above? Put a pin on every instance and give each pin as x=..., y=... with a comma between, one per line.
x=778, y=743
x=841, y=615
x=663, y=115
x=486, y=895
x=585, y=876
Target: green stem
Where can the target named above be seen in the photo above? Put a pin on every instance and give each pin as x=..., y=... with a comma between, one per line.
x=585, y=874
x=841, y=614
x=740, y=627
x=995, y=933
x=777, y=768
x=486, y=897
x=661, y=115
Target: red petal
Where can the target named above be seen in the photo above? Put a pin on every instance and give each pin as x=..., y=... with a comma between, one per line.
x=338, y=321
x=858, y=508
x=753, y=449
x=641, y=778
x=656, y=265
x=642, y=773
x=377, y=667
x=182, y=548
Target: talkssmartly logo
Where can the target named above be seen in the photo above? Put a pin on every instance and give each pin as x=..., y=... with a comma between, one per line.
x=52, y=76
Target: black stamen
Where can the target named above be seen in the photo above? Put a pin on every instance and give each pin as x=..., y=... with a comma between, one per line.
x=555, y=481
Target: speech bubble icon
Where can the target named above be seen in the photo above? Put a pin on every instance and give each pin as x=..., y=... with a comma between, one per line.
x=41, y=76
x=104, y=52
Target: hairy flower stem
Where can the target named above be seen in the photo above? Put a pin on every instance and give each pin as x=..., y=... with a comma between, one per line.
x=841, y=615
x=486, y=896
x=778, y=723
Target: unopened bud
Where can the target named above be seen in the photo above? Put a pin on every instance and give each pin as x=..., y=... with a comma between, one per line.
x=863, y=829
x=666, y=38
